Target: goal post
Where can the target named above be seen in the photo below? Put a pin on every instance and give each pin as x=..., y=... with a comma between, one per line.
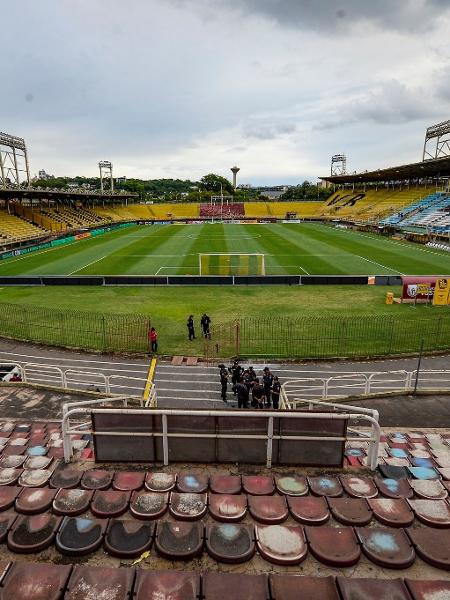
x=231, y=263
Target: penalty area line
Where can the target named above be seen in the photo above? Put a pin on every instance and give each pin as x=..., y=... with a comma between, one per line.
x=379, y=264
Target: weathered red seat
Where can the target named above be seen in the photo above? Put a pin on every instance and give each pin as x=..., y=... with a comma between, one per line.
x=225, y=484
x=432, y=545
x=393, y=512
x=34, y=477
x=191, y=483
x=372, y=589
x=37, y=462
x=8, y=495
x=160, y=482
x=359, y=487
x=429, y=489
x=325, y=486
x=394, y=488
x=125, y=481
x=389, y=548
x=128, y=538
x=268, y=509
x=428, y=590
x=309, y=510
x=96, y=479
x=14, y=461
x=78, y=536
x=333, y=546
x=7, y=520
x=179, y=540
x=66, y=477
x=281, y=544
x=32, y=501
x=165, y=585
x=393, y=472
x=100, y=582
x=298, y=587
x=35, y=581
x=217, y=586
x=258, y=485
x=9, y=476
x=227, y=507
x=187, y=507
x=350, y=511
x=109, y=503
x=291, y=485
x=71, y=503
x=435, y=513
x=148, y=505
x=230, y=542
x=30, y=534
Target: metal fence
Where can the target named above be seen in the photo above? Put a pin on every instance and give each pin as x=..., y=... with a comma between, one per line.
x=74, y=328
x=329, y=336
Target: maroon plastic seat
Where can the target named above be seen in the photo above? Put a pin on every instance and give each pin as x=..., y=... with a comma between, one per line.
x=34, y=477
x=445, y=473
x=148, y=505
x=13, y=450
x=176, y=585
x=33, y=533
x=225, y=484
x=100, y=582
x=9, y=476
x=372, y=589
x=428, y=590
x=389, y=548
x=291, y=485
x=432, y=545
x=37, y=462
x=429, y=489
x=125, y=481
x=7, y=520
x=350, y=511
x=14, y=461
x=187, y=507
x=32, y=501
x=72, y=503
x=66, y=477
x=128, y=538
x=160, y=482
x=230, y=542
x=227, y=507
x=8, y=495
x=258, y=485
x=309, y=510
x=394, y=488
x=394, y=471
x=109, y=503
x=179, y=540
x=96, y=479
x=333, y=546
x=325, y=486
x=281, y=544
x=217, y=586
x=296, y=587
x=35, y=581
x=78, y=536
x=435, y=513
x=359, y=487
x=191, y=483
x=270, y=510
x=393, y=512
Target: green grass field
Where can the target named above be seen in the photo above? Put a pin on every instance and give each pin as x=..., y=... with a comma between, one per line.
x=292, y=249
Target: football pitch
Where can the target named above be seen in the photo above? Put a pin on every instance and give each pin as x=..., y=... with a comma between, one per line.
x=288, y=249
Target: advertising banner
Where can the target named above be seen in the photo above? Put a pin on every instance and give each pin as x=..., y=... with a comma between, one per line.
x=442, y=292
x=418, y=288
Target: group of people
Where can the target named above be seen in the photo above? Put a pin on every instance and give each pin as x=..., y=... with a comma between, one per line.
x=249, y=389
x=205, y=322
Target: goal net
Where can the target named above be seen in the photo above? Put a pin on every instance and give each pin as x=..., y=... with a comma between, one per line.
x=231, y=264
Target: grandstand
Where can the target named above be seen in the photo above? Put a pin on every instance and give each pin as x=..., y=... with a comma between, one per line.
x=14, y=229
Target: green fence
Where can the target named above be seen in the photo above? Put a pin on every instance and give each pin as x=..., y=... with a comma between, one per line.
x=329, y=336
x=75, y=329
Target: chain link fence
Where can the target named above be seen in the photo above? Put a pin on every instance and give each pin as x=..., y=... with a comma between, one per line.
x=328, y=336
x=74, y=328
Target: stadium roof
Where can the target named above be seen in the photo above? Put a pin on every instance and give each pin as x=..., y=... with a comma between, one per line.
x=430, y=168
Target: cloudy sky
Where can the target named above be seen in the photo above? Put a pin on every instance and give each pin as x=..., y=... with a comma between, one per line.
x=180, y=88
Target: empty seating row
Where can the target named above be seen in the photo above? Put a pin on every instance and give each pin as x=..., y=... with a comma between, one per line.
x=36, y=581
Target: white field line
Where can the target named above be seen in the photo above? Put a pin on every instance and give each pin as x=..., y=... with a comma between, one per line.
x=379, y=264
x=304, y=270
x=89, y=264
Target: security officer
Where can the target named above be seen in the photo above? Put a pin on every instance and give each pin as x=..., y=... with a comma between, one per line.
x=267, y=383
x=236, y=371
x=204, y=322
x=190, y=326
x=223, y=381
x=242, y=393
x=257, y=395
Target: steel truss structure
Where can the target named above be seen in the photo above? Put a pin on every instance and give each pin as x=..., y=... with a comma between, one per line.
x=13, y=161
x=106, y=172
x=437, y=141
x=338, y=165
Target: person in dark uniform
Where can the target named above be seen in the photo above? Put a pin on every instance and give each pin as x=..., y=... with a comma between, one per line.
x=223, y=381
x=190, y=326
x=267, y=383
x=252, y=374
x=205, y=322
x=242, y=393
x=257, y=395
x=276, y=388
x=236, y=371
x=247, y=379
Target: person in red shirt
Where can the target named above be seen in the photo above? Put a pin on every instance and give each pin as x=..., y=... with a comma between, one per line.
x=153, y=337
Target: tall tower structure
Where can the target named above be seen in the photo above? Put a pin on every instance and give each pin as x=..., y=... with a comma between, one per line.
x=338, y=164
x=235, y=170
x=106, y=172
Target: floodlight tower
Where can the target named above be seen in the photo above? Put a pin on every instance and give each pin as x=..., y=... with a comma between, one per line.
x=13, y=160
x=437, y=141
x=106, y=171
x=338, y=164
x=235, y=170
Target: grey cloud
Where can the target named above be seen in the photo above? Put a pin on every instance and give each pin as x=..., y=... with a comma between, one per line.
x=266, y=128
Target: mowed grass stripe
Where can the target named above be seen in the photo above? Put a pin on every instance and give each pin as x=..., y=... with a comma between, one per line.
x=207, y=239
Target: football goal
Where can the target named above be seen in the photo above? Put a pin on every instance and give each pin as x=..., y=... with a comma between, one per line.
x=231, y=264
